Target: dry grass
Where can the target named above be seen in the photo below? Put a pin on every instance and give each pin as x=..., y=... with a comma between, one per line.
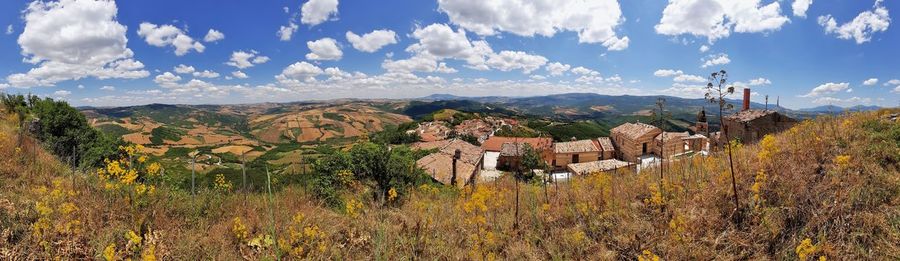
x=833, y=181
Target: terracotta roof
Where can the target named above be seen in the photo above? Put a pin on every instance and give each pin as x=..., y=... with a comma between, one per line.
x=512, y=149
x=749, y=115
x=469, y=153
x=634, y=130
x=605, y=144
x=440, y=167
x=578, y=146
x=596, y=166
x=495, y=143
x=672, y=135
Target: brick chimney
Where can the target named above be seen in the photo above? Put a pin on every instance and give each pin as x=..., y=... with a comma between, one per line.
x=746, y=105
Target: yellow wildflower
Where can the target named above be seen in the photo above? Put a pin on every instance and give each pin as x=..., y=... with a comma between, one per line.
x=805, y=249
x=153, y=168
x=109, y=253
x=842, y=160
x=140, y=189
x=392, y=194
x=149, y=254
x=648, y=256
x=239, y=230
x=142, y=159
x=18, y=150
x=353, y=207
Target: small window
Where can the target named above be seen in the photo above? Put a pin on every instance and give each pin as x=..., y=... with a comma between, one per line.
x=644, y=149
x=574, y=158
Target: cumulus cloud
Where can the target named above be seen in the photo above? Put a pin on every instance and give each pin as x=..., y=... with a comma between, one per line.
x=299, y=72
x=827, y=88
x=62, y=93
x=759, y=81
x=165, y=35
x=184, y=69
x=108, y=88
x=667, y=73
x=704, y=48
x=373, y=41
x=242, y=59
x=716, y=19
x=239, y=75
x=679, y=76
x=557, y=69
x=324, y=49
x=715, y=59
x=99, y=49
x=316, y=12
x=846, y=102
x=800, y=6
x=213, y=36
x=871, y=81
x=862, y=27
x=286, y=32
x=892, y=82
x=594, y=21
x=9, y=30
x=205, y=74
x=514, y=60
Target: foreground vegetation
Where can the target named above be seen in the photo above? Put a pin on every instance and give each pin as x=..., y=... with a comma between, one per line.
x=828, y=188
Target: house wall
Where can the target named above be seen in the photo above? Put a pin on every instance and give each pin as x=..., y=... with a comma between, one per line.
x=608, y=155
x=563, y=159
x=629, y=150
x=753, y=131
x=673, y=145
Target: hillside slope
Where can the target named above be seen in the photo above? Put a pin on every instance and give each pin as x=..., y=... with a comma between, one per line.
x=826, y=188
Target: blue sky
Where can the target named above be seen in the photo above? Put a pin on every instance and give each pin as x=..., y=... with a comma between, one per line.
x=105, y=53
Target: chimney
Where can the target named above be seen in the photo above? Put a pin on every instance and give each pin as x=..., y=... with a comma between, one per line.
x=746, y=105
x=456, y=156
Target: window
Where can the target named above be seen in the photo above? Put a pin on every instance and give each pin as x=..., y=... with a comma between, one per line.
x=644, y=149
x=574, y=158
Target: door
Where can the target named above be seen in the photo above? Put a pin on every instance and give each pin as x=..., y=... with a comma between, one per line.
x=574, y=158
x=644, y=149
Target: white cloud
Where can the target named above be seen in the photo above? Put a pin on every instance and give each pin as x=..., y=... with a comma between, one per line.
x=166, y=78
x=667, y=73
x=715, y=59
x=213, y=36
x=689, y=78
x=871, y=81
x=704, y=48
x=165, y=35
x=862, y=27
x=538, y=77
x=584, y=71
x=206, y=74
x=316, y=12
x=716, y=19
x=557, y=69
x=372, y=41
x=299, y=72
x=242, y=59
x=4, y=86
x=827, y=88
x=62, y=93
x=108, y=88
x=443, y=68
x=896, y=89
x=514, y=60
x=239, y=74
x=80, y=86
x=99, y=49
x=286, y=32
x=759, y=81
x=800, y=7
x=594, y=21
x=9, y=29
x=184, y=69
x=846, y=102
x=892, y=82
x=324, y=49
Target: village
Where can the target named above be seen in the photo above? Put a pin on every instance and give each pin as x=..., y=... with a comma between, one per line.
x=636, y=145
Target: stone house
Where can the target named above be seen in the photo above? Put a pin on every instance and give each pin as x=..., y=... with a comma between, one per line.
x=751, y=125
x=633, y=140
x=569, y=152
x=607, y=150
x=455, y=163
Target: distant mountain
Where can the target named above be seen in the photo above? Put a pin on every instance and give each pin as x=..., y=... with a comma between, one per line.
x=835, y=109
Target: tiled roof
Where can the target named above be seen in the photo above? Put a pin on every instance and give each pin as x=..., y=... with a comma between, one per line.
x=596, y=166
x=440, y=167
x=749, y=115
x=634, y=130
x=469, y=153
x=512, y=149
x=578, y=146
x=495, y=143
x=605, y=144
x=672, y=136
